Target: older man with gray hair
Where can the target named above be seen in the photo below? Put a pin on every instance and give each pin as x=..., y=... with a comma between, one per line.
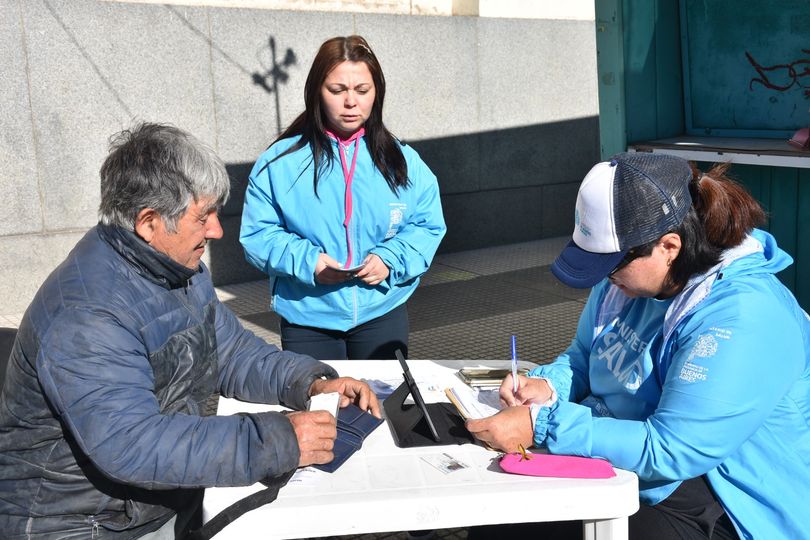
x=103, y=431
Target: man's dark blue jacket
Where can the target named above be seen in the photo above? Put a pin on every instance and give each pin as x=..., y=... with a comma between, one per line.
x=101, y=416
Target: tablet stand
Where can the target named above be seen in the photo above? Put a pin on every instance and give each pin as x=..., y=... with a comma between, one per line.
x=409, y=424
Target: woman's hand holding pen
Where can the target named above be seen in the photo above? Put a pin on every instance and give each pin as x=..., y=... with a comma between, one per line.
x=512, y=429
x=529, y=390
x=506, y=431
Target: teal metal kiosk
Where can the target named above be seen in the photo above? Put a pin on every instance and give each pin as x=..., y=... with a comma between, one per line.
x=715, y=81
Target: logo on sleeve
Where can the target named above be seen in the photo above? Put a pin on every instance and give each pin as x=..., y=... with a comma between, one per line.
x=395, y=217
x=705, y=347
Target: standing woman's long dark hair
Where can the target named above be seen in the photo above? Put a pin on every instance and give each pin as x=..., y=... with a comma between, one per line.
x=311, y=124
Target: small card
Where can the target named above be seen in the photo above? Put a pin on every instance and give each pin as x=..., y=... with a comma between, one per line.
x=305, y=476
x=325, y=402
x=479, y=377
x=352, y=270
x=445, y=462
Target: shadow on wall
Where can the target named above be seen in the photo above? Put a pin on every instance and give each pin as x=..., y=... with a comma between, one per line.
x=498, y=187
x=274, y=74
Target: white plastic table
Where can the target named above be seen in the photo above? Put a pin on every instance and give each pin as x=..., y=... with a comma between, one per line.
x=384, y=488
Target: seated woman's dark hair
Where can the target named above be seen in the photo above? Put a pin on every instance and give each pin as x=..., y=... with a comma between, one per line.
x=723, y=213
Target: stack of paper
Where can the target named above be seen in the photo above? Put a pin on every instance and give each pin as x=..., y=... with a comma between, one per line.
x=474, y=403
x=481, y=377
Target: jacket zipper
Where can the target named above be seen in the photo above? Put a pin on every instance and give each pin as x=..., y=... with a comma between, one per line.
x=355, y=307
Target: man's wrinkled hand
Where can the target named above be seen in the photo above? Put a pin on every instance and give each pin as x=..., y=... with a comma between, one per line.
x=506, y=430
x=351, y=391
x=316, y=432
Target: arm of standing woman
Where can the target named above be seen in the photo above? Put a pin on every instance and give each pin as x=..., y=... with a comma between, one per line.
x=408, y=254
x=268, y=245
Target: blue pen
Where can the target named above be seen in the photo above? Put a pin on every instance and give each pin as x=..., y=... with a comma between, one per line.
x=514, y=365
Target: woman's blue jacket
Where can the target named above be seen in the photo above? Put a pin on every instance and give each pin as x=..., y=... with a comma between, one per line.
x=285, y=226
x=720, y=387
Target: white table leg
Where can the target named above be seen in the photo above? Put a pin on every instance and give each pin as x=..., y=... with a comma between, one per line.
x=606, y=529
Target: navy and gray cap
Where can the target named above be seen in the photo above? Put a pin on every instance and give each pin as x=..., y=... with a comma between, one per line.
x=623, y=203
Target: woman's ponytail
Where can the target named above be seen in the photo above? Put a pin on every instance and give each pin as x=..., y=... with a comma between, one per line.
x=727, y=210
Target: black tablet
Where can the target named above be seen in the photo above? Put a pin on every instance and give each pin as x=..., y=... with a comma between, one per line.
x=417, y=396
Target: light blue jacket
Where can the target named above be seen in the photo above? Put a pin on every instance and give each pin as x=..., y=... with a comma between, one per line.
x=285, y=227
x=721, y=387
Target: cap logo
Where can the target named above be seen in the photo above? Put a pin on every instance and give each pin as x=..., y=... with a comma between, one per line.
x=584, y=230
x=578, y=223
x=665, y=208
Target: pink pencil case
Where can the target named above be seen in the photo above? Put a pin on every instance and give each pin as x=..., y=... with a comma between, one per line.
x=557, y=466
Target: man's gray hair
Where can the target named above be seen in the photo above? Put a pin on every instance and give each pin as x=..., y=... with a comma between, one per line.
x=161, y=167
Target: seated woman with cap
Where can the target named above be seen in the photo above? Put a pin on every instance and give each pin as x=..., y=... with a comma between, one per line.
x=690, y=362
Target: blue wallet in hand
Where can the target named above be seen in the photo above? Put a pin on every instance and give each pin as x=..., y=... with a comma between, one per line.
x=353, y=426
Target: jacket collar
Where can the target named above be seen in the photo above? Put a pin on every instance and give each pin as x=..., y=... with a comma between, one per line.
x=696, y=290
x=356, y=136
x=698, y=287
x=147, y=262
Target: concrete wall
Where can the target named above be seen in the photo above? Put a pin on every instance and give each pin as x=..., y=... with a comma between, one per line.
x=401, y=7
x=503, y=110
x=521, y=9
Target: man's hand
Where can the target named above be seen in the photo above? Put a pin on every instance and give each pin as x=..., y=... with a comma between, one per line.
x=374, y=270
x=316, y=432
x=351, y=391
x=506, y=430
x=530, y=390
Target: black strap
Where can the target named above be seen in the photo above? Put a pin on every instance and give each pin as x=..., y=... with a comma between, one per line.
x=251, y=502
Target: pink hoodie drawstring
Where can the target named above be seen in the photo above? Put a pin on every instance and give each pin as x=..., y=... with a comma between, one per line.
x=348, y=175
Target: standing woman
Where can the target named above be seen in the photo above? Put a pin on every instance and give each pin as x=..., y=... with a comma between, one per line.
x=343, y=216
